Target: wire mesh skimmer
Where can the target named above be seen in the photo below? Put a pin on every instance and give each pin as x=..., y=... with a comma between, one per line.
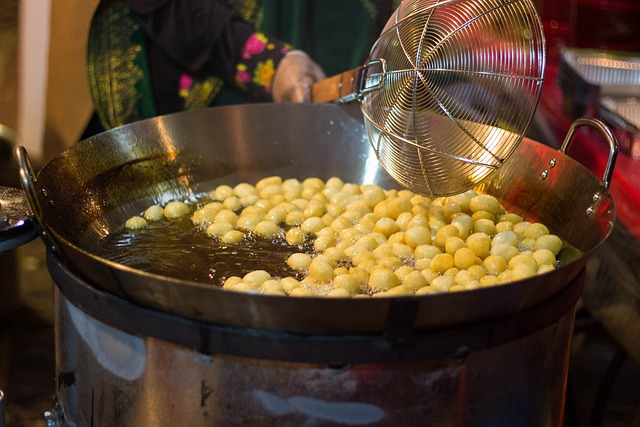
x=448, y=91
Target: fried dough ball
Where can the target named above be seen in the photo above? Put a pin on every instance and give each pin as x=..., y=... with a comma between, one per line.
x=535, y=230
x=256, y=277
x=427, y=290
x=479, y=243
x=338, y=293
x=232, y=237
x=299, y=261
x=422, y=263
x=222, y=192
x=463, y=223
x=544, y=256
x=244, y=190
x=312, y=225
x=414, y=280
x=452, y=244
x=239, y=286
x=442, y=262
x=154, y=213
x=494, y=264
x=225, y=215
x=382, y=278
x=267, y=229
x=444, y=233
x=504, y=250
x=484, y=225
x=545, y=268
x=135, y=223
x=549, y=241
x=218, y=229
x=510, y=217
x=429, y=274
x=321, y=268
x=426, y=251
x=295, y=236
x=247, y=221
x=272, y=287
x=176, y=209
x=302, y=291
x=399, y=290
x=270, y=180
x=524, y=258
x=464, y=258
x=289, y=284
x=349, y=282
x=232, y=203
x=208, y=213
x=504, y=226
x=443, y=283
x=417, y=235
x=487, y=203
x=506, y=237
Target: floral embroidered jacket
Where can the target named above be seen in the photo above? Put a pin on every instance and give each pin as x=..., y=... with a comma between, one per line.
x=152, y=57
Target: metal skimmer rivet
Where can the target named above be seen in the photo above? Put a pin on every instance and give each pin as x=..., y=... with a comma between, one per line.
x=590, y=210
x=596, y=197
x=544, y=174
x=552, y=163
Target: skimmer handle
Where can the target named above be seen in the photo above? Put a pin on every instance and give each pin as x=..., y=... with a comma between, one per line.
x=351, y=85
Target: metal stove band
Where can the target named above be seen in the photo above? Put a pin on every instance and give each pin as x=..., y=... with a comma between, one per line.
x=398, y=343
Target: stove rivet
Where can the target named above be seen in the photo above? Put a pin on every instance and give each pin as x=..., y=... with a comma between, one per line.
x=544, y=174
x=552, y=163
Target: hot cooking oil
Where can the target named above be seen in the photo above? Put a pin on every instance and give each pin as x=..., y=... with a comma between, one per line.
x=176, y=248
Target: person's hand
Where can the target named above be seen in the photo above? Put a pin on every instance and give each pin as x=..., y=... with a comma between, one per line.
x=295, y=75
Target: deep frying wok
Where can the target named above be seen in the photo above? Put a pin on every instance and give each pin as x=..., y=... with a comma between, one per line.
x=92, y=188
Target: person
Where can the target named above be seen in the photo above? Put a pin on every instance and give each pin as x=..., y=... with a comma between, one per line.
x=153, y=57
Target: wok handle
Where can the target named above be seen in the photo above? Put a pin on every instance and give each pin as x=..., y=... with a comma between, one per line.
x=608, y=135
x=28, y=182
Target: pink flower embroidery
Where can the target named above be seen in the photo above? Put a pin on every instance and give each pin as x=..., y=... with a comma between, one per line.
x=243, y=78
x=185, y=83
x=254, y=45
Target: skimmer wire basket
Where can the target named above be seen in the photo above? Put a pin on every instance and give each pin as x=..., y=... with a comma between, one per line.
x=449, y=90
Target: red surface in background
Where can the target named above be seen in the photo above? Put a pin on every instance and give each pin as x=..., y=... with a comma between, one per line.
x=593, y=151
